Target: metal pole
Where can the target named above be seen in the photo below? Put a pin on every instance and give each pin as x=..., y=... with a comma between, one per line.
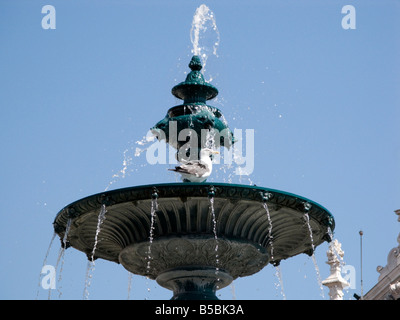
x=362, y=293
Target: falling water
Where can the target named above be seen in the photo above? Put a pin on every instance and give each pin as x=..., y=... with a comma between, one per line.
x=91, y=265
x=44, y=263
x=100, y=220
x=61, y=256
x=127, y=160
x=154, y=208
x=130, y=276
x=278, y=272
x=122, y=172
x=265, y=205
x=233, y=291
x=150, y=137
x=204, y=34
x=215, y=235
x=330, y=233
x=88, y=279
x=278, y=275
x=307, y=218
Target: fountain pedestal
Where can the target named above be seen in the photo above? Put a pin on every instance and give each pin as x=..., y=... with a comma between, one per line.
x=194, y=283
x=194, y=266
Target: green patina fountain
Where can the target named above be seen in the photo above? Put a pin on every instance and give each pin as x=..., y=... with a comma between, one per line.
x=194, y=114
x=194, y=238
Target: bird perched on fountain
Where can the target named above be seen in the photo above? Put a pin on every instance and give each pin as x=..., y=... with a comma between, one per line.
x=197, y=170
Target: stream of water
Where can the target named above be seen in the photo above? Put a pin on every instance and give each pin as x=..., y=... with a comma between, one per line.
x=130, y=276
x=154, y=208
x=44, y=263
x=307, y=219
x=61, y=256
x=204, y=34
x=278, y=272
x=214, y=220
x=91, y=264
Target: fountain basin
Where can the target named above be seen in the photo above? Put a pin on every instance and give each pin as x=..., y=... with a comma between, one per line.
x=183, y=239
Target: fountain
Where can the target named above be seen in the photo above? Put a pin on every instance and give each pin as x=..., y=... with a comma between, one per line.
x=194, y=238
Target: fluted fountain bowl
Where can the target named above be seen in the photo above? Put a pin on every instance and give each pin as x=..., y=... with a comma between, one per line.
x=204, y=235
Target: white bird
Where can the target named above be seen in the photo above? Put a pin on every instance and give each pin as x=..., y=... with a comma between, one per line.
x=197, y=170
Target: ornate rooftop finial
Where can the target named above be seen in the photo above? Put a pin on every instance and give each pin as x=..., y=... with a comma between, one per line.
x=388, y=286
x=335, y=281
x=393, y=259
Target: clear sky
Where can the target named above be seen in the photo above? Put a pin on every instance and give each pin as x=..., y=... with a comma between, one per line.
x=323, y=102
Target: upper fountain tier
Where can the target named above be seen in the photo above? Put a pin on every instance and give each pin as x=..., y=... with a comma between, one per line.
x=196, y=115
x=195, y=89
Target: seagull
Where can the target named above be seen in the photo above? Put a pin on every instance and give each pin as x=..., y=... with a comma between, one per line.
x=197, y=170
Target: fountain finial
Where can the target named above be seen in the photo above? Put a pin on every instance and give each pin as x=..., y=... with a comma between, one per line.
x=195, y=89
x=195, y=64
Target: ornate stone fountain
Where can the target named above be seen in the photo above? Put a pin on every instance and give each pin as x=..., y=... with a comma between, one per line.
x=194, y=238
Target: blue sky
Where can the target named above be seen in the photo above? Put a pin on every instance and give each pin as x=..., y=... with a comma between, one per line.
x=323, y=102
